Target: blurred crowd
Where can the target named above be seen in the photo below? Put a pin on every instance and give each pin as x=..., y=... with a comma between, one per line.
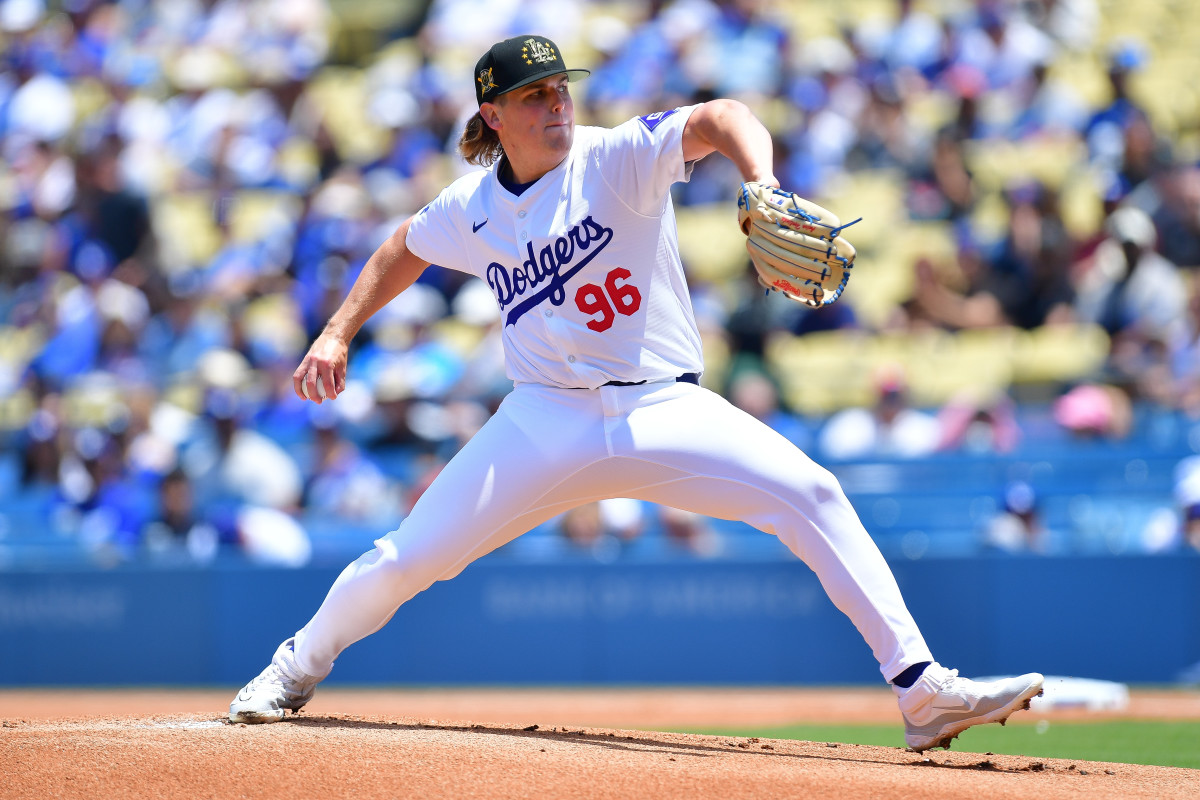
x=189, y=188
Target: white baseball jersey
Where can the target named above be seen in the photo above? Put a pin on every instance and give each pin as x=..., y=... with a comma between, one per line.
x=585, y=263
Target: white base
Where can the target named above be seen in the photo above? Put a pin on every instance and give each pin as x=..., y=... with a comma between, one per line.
x=1060, y=692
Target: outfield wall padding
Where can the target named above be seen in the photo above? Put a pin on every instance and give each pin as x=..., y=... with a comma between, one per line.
x=1132, y=619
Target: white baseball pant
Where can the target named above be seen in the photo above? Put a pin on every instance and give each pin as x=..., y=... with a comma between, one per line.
x=547, y=450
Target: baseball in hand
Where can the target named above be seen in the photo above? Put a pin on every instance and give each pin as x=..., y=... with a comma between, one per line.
x=320, y=389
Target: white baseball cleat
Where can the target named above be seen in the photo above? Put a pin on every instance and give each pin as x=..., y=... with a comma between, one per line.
x=941, y=705
x=282, y=685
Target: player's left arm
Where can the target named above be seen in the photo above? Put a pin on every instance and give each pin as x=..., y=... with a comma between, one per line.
x=728, y=127
x=794, y=244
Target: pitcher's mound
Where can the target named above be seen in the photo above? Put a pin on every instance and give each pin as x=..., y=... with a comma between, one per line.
x=186, y=756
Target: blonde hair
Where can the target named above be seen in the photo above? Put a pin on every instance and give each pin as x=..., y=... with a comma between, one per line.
x=479, y=143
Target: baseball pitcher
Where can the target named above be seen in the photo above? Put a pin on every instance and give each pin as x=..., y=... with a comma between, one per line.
x=574, y=231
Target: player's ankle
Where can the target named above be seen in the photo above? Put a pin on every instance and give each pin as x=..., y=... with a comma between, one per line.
x=908, y=677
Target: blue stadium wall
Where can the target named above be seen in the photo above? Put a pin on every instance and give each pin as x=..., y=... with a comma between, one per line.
x=1133, y=619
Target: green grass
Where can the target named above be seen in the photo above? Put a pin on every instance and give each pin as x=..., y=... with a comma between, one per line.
x=1168, y=744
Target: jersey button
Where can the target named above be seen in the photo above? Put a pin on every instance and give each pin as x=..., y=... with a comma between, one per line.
x=571, y=359
x=521, y=214
x=524, y=235
x=549, y=313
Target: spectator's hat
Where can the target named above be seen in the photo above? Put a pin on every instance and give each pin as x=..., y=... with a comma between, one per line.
x=1132, y=225
x=21, y=16
x=1187, y=486
x=1126, y=55
x=518, y=62
x=1084, y=408
x=1020, y=498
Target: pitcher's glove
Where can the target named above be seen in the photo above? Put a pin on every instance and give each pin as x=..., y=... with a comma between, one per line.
x=795, y=244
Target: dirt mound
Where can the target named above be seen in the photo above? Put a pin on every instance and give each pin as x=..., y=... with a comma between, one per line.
x=184, y=756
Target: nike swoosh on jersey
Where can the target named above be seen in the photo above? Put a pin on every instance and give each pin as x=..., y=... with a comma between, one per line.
x=475, y=228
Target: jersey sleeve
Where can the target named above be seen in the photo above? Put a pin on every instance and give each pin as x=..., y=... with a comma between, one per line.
x=433, y=235
x=641, y=158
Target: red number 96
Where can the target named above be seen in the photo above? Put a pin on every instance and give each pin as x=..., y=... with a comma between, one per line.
x=620, y=298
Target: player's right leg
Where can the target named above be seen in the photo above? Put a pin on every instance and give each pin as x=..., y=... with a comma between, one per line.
x=525, y=465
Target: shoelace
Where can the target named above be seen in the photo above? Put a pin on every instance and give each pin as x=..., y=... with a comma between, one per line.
x=272, y=677
x=278, y=674
x=950, y=681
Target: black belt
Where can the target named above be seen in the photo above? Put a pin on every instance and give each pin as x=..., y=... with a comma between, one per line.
x=688, y=377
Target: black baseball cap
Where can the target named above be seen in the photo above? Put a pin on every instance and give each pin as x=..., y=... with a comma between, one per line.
x=518, y=62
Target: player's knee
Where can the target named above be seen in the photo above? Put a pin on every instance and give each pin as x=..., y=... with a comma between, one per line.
x=409, y=567
x=390, y=567
x=826, y=488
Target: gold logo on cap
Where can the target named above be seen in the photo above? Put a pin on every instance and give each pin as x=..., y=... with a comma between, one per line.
x=485, y=80
x=538, y=51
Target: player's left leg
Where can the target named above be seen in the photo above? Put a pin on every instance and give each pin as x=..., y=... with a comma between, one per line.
x=691, y=449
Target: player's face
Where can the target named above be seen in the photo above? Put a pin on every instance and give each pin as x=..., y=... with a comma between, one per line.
x=537, y=122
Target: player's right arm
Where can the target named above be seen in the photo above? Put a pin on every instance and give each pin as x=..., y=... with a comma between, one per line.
x=388, y=272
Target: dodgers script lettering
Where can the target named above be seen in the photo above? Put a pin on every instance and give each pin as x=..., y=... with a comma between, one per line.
x=551, y=266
